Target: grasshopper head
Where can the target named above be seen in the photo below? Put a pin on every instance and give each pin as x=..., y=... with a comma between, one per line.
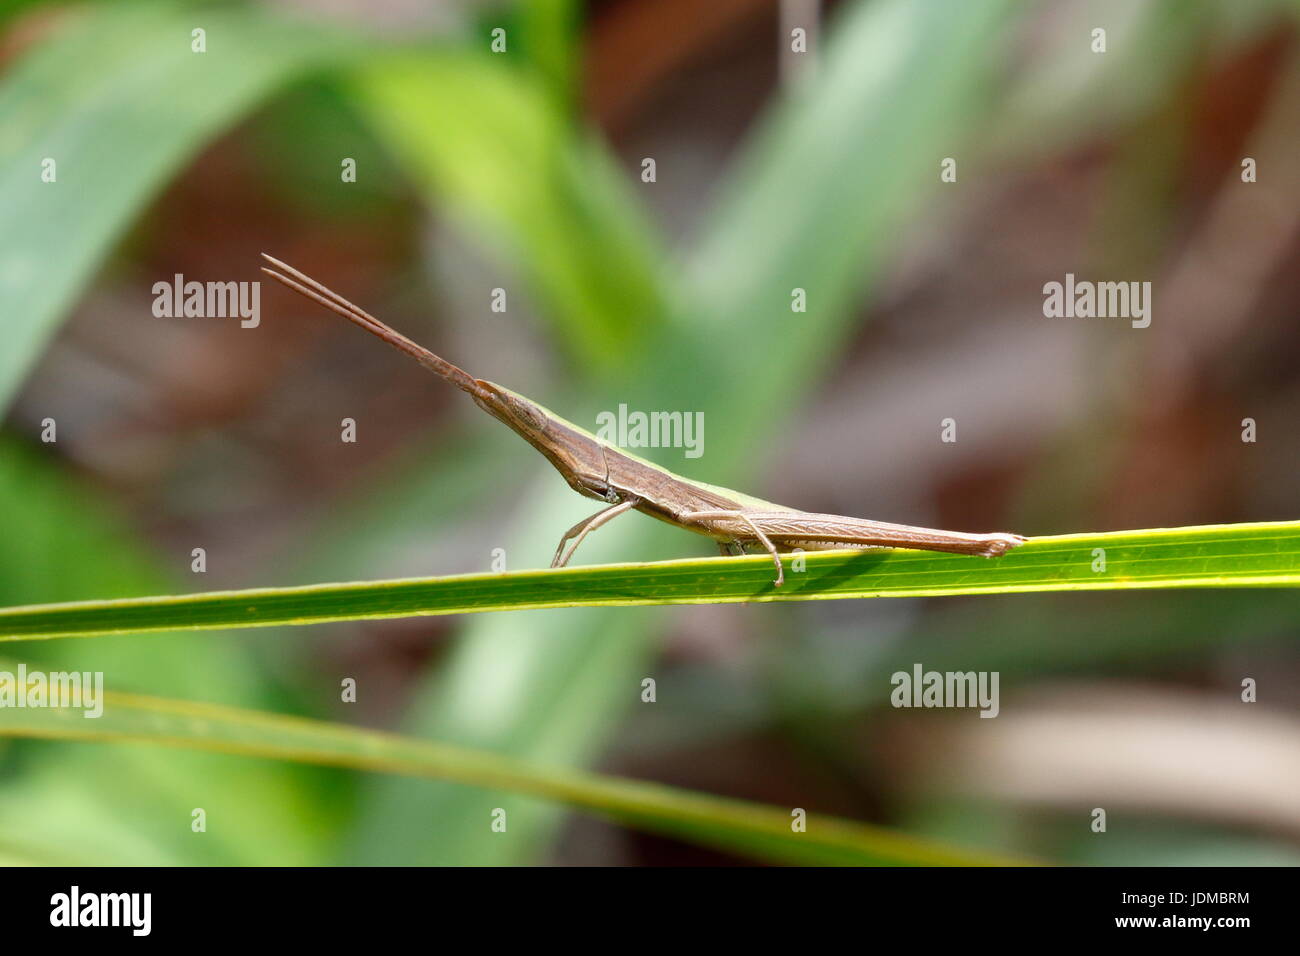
x=576, y=456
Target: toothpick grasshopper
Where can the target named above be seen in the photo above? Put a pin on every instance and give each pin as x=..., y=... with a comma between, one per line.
x=598, y=470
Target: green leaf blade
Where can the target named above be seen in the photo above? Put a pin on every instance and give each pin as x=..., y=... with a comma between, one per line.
x=1246, y=555
x=735, y=825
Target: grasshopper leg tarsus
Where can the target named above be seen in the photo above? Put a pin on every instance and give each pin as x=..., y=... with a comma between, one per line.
x=999, y=544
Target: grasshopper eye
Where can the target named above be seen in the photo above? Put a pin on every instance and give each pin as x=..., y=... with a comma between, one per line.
x=530, y=413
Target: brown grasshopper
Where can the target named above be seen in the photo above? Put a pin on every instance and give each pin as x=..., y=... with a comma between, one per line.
x=598, y=470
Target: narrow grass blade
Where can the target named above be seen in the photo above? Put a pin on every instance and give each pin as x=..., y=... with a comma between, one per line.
x=748, y=828
x=1243, y=555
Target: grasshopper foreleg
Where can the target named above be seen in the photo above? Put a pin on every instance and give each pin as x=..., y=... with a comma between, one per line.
x=585, y=527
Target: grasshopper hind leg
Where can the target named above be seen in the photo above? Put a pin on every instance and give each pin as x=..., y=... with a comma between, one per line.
x=758, y=534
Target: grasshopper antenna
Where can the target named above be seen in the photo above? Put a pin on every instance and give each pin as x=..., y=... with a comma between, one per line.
x=306, y=286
